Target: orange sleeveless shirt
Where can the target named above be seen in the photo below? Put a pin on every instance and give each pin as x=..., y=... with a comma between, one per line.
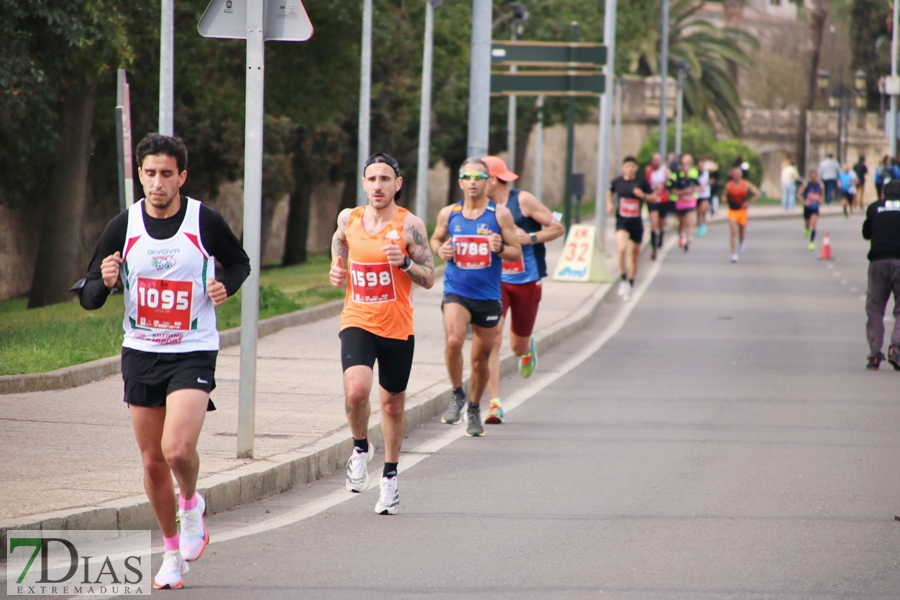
x=736, y=194
x=379, y=296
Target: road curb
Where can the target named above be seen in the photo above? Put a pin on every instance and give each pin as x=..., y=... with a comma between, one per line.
x=278, y=474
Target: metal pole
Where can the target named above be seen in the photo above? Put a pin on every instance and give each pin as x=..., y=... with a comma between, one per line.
x=539, y=154
x=480, y=79
x=606, y=100
x=679, y=106
x=805, y=172
x=892, y=126
x=253, y=156
x=570, y=146
x=167, y=68
x=365, y=95
x=425, y=116
x=511, y=118
x=663, y=77
x=619, y=81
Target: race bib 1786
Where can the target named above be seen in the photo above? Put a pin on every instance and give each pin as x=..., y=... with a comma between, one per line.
x=472, y=251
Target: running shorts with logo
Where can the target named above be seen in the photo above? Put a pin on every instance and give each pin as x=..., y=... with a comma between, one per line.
x=522, y=288
x=473, y=276
x=377, y=319
x=395, y=357
x=151, y=376
x=813, y=195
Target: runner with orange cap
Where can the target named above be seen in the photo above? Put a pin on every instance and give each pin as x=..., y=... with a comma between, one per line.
x=521, y=287
x=384, y=250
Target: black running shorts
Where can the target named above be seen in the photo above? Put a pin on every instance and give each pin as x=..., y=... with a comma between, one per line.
x=362, y=348
x=808, y=212
x=634, y=227
x=151, y=376
x=485, y=313
x=663, y=208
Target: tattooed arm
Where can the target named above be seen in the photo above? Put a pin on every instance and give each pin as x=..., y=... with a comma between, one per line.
x=340, y=259
x=416, y=236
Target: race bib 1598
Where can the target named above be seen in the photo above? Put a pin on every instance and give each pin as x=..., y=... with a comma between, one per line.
x=372, y=282
x=164, y=303
x=472, y=251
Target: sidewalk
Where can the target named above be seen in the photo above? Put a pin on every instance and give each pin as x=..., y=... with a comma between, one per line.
x=68, y=458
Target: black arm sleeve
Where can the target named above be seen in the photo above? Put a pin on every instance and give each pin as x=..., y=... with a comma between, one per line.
x=221, y=242
x=94, y=293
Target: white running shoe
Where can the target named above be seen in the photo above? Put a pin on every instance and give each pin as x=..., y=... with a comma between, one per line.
x=741, y=248
x=734, y=258
x=627, y=295
x=169, y=576
x=358, y=469
x=623, y=288
x=389, y=500
x=194, y=536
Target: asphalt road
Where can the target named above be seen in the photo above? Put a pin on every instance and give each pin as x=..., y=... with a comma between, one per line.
x=727, y=442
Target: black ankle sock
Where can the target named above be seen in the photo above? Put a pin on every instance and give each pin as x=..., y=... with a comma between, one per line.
x=659, y=238
x=812, y=235
x=653, y=239
x=390, y=470
x=631, y=281
x=361, y=445
x=624, y=277
x=459, y=392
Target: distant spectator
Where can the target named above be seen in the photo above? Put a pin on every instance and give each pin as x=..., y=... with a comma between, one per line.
x=882, y=228
x=882, y=172
x=789, y=177
x=828, y=173
x=861, y=171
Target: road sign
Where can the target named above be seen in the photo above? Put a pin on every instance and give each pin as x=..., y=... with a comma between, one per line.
x=548, y=54
x=286, y=21
x=582, y=260
x=548, y=83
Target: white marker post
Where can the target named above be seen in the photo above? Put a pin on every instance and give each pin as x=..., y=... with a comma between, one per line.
x=256, y=21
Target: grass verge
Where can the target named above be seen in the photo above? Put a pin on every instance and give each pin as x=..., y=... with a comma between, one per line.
x=44, y=339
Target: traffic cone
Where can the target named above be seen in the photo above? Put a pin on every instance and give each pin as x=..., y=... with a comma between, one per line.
x=826, y=247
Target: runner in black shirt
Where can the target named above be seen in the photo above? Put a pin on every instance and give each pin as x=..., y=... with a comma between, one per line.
x=626, y=196
x=861, y=171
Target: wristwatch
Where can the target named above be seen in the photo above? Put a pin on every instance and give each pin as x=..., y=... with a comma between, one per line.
x=407, y=264
x=502, y=247
x=533, y=237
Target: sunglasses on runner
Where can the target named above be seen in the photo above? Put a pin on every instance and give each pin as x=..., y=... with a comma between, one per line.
x=474, y=176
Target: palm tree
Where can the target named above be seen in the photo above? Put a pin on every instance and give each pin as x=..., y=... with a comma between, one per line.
x=710, y=92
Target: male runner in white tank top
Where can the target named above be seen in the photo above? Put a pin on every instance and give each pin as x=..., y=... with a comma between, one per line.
x=164, y=249
x=658, y=175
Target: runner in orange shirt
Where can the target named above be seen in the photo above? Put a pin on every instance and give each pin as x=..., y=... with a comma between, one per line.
x=384, y=250
x=736, y=191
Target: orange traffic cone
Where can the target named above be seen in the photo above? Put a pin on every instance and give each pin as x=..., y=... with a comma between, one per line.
x=826, y=247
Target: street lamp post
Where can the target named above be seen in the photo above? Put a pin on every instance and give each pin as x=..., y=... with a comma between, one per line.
x=520, y=16
x=365, y=101
x=425, y=113
x=663, y=76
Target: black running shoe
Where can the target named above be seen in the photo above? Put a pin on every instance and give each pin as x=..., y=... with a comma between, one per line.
x=894, y=357
x=874, y=363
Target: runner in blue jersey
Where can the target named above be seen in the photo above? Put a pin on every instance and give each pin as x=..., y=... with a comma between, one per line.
x=810, y=195
x=522, y=287
x=474, y=236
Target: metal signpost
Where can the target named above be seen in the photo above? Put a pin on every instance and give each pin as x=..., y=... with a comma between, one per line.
x=123, y=141
x=570, y=81
x=663, y=78
x=365, y=101
x=425, y=114
x=480, y=79
x=605, y=124
x=167, y=68
x=255, y=21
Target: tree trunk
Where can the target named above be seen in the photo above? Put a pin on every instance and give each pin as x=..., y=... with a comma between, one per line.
x=816, y=14
x=59, y=253
x=298, y=215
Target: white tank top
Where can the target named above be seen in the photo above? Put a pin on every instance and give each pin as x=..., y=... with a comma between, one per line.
x=166, y=305
x=658, y=177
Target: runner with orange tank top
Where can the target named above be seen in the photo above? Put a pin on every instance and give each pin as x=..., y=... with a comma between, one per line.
x=380, y=250
x=736, y=192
